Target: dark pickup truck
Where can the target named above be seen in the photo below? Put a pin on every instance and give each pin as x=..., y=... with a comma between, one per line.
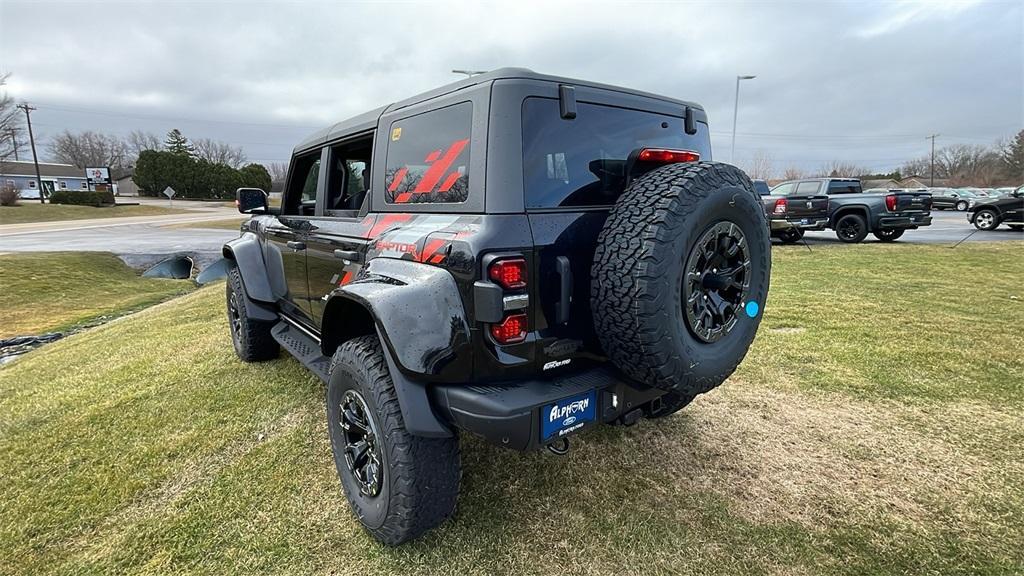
x=793, y=208
x=853, y=213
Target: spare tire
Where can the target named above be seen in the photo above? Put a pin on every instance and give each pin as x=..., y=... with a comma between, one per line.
x=680, y=276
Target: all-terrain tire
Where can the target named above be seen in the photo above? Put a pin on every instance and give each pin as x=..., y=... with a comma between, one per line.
x=791, y=236
x=251, y=338
x=888, y=234
x=420, y=475
x=637, y=277
x=851, y=228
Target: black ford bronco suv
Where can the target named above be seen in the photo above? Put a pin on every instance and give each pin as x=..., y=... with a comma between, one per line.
x=513, y=255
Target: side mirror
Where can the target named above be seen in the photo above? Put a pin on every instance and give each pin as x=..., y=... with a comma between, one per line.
x=251, y=200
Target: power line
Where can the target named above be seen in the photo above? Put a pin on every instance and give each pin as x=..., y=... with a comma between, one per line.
x=174, y=119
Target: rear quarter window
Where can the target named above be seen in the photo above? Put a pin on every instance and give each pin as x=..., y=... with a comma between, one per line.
x=581, y=162
x=844, y=187
x=428, y=157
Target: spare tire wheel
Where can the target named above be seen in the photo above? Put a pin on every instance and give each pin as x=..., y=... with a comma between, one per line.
x=680, y=276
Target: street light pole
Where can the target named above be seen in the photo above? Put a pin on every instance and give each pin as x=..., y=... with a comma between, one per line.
x=735, y=113
x=35, y=159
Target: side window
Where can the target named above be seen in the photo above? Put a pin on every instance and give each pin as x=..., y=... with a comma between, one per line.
x=808, y=187
x=838, y=187
x=784, y=189
x=348, y=181
x=300, y=197
x=428, y=157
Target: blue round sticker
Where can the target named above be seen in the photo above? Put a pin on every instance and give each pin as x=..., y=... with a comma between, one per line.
x=751, y=308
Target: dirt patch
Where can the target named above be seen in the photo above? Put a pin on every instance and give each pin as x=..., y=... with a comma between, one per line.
x=781, y=455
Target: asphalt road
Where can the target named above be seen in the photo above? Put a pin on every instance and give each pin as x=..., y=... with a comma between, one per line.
x=948, y=227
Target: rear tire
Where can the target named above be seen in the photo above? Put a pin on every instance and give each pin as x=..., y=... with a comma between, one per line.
x=251, y=338
x=889, y=234
x=680, y=274
x=790, y=236
x=415, y=479
x=986, y=219
x=961, y=206
x=851, y=228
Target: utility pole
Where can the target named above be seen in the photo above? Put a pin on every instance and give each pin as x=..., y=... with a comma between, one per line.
x=14, y=143
x=35, y=159
x=932, y=171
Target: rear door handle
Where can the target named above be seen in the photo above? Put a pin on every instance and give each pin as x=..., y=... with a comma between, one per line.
x=296, y=245
x=565, y=290
x=350, y=255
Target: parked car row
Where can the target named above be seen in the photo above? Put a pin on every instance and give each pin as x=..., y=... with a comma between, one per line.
x=988, y=213
x=841, y=204
x=961, y=198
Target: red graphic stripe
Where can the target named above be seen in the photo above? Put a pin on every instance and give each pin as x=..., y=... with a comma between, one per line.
x=345, y=279
x=432, y=156
x=450, y=181
x=403, y=197
x=387, y=222
x=439, y=168
x=431, y=247
x=397, y=180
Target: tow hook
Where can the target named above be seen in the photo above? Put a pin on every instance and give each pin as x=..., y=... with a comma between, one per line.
x=559, y=447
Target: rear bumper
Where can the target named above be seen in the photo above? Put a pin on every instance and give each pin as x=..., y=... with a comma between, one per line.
x=802, y=223
x=904, y=221
x=510, y=414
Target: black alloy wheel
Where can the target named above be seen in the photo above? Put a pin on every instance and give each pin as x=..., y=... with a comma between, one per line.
x=716, y=282
x=361, y=448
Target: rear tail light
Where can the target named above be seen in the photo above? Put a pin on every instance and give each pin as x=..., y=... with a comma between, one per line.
x=511, y=330
x=890, y=202
x=509, y=273
x=666, y=156
x=780, y=206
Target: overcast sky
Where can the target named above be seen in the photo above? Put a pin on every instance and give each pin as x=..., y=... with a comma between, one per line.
x=863, y=82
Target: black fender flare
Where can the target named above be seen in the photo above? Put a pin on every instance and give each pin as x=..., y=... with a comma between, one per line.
x=417, y=312
x=860, y=209
x=247, y=253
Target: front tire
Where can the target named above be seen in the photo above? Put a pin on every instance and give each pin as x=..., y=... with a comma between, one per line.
x=889, y=234
x=851, y=228
x=986, y=220
x=251, y=338
x=398, y=485
x=961, y=206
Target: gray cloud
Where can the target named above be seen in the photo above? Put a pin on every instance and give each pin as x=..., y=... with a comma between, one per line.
x=863, y=82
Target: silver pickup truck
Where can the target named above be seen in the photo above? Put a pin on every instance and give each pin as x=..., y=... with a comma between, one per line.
x=853, y=214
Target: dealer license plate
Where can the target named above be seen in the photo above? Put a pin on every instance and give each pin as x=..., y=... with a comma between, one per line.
x=568, y=415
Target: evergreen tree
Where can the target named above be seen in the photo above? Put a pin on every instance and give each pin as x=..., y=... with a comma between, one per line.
x=178, y=144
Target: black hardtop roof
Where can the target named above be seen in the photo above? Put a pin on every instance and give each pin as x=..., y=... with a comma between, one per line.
x=368, y=120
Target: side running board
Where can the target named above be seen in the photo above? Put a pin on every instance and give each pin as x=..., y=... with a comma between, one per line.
x=303, y=347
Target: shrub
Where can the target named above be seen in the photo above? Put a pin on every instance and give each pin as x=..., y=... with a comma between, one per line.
x=84, y=198
x=8, y=196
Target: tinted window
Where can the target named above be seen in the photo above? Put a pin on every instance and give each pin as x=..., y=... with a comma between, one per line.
x=844, y=187
x=581, y=162
x=808, y=187
x=761, y=187
x=428, y=157
x=301, y=196
x=784, y=189
x=348, y=179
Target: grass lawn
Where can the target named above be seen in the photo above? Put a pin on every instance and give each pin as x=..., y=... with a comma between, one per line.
x=45, y=292
x=875, y=427
x=28, y=211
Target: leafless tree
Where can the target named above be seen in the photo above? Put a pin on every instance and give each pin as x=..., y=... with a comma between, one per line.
x=89, y=149
x=840, y=169
x=10, y=123
x=138, y=142
x=792, y=173
x=760, y=167
x=219, y=152
x=278, y=173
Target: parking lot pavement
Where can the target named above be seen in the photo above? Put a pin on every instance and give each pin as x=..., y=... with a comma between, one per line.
x=137, y=244
x=948, y=227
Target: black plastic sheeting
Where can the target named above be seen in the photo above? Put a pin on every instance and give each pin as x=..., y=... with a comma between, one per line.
x=177, y=267
x=215, y=271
